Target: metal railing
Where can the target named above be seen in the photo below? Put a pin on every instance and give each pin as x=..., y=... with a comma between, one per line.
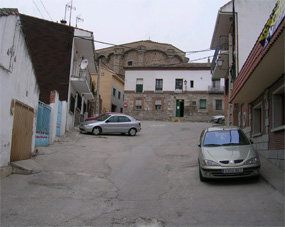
x=216, y=89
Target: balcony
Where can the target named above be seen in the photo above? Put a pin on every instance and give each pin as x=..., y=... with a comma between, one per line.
x=81, y=81
x=220, y=63
x=216, y=89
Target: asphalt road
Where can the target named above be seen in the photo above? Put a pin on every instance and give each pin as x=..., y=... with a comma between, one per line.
x=147, y=180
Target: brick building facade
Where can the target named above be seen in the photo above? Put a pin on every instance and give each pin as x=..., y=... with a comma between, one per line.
x=259, y=90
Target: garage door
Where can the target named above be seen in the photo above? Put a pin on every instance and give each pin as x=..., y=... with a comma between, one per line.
x=22, y=132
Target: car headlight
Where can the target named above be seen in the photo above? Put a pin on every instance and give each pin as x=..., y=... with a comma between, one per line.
x=210, y=163
x=251, y=161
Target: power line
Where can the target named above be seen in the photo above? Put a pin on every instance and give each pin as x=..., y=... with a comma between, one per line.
x=45, y=9
x=111, y=44
x=197, y=51
x=38, y=9
x=201, y=58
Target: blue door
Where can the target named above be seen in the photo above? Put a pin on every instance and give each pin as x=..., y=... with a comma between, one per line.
x=58, y=121
x=42, y=129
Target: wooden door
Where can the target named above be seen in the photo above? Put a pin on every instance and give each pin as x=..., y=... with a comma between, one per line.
x=22, y=132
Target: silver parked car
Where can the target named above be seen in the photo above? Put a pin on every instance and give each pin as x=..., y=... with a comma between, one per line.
x=111, y=123
x=226, y=152
x=218, y=119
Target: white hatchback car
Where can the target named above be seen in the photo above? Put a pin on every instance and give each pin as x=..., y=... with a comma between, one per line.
x=226, y=152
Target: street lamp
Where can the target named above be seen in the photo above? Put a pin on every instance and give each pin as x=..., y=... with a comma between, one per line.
x=220, y=62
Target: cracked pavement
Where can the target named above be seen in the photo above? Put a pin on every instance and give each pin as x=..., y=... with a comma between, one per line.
x=147, y=180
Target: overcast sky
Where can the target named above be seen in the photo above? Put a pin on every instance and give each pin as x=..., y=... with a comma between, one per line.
x=186, y=24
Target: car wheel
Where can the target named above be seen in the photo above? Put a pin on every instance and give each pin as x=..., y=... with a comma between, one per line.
x=96, y=131
x=132, y=132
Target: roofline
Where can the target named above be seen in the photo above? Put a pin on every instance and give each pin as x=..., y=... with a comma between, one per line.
x=125, y=44
x=55, y=23
x=167, y=68
x=228, y=3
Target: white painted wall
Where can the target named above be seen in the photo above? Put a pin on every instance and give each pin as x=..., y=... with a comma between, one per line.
x=64, y=109
x=251, y=18
x=53, y=119
x=17, y=81
x=202, y=79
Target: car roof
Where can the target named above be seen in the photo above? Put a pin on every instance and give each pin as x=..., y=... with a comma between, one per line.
x=221, y=128
x=122, y=114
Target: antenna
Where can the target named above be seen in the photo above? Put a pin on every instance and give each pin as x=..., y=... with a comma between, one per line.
x=78, y=19
x=69, y=7
x=84, y=64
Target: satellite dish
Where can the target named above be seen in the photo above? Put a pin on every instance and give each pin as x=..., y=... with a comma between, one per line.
x=84, y=64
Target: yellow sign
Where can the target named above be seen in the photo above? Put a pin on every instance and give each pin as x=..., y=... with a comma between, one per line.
x=274, y=20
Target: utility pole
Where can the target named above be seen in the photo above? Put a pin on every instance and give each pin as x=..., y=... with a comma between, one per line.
x=97, y=112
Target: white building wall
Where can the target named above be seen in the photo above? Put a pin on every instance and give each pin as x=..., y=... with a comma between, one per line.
x=64, y=109
x=251, y=18
x=53, y=118
x=202, y=79
x=18, y=81
x=69, y=114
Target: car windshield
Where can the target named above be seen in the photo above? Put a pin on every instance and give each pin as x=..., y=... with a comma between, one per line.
x=225, y=138
x=103, y=117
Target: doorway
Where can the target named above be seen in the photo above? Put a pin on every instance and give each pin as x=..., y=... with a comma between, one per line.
x=180, y=108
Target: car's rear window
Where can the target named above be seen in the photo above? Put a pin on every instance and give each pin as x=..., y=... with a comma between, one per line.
x=225, y=138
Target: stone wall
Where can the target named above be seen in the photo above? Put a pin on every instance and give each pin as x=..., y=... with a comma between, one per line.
x=192, y=112
x=142, y=53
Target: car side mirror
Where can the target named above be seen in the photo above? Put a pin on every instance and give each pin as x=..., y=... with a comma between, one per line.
x=107, y=121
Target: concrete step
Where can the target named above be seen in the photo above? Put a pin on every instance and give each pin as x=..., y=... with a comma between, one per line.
x=25, y=167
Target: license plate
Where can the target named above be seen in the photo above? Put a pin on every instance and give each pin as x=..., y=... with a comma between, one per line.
x=233, y=170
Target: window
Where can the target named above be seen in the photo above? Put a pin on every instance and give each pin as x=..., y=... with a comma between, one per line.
x=130, y=63
x=157, y=104
x=178, y=84
x=216, y=83
x=124, y=119
x=219, y=104
x=257, y=119
x=193, y=103
x=191, y=83
x=114, y=92
x=203, y=103
x=278, y=111
x=102, y=73
x=158, y=84
x=119, y=95
x=72, y=104
x=224, y=138
x=113, y=119
x=139, y=86
x=138, y=104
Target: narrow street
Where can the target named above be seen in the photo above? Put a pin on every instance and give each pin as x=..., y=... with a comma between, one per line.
x=149, y=180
